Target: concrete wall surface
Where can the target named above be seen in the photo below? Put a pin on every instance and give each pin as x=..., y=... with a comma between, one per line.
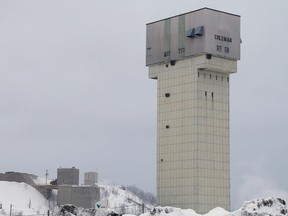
x=67, y=176
x=81, y=196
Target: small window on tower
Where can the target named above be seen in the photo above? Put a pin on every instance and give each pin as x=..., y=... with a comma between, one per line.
x=181, y=50
x=226, y=49
x=167, y=95
x=219, y=48
x=148, y=51
x=167, y=54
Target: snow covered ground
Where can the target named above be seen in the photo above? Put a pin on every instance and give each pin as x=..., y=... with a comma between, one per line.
x=25, y=199
x=257, y=207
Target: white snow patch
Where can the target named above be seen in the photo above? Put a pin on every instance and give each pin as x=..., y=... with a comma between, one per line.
x=217, y=212
x=24, y=199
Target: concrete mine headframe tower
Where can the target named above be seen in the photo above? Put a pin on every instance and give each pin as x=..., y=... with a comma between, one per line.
x=191, y=56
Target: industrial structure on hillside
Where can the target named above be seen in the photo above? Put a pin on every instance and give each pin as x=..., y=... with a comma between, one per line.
x=67, y=186
x=69, y=190
x=191, y=56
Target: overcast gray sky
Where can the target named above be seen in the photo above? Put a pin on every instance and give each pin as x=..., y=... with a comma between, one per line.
x=74, y=91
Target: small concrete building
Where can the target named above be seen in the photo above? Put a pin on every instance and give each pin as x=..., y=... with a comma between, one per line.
x=67, y=176
x=90, y=178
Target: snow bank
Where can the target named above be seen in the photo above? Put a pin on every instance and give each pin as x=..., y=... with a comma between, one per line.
x=256, y=207
x=24, y=199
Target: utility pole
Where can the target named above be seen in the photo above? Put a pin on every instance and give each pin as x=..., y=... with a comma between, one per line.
x=139, y=204
x=46, y=175
x=143, y=208
x=10, y=209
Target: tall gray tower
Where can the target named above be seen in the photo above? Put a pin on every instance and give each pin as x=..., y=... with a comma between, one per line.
x=191, y=56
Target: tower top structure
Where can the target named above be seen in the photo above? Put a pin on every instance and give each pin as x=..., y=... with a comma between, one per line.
x=203, y=31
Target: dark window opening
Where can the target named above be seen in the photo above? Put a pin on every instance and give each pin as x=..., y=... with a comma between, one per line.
x=167, y=95
x=226, y=49
x=167, y=54
x=219, y=48
x=210, y=76
x=167, y=126
x=208, y=56
x=181, y=50
x=148, y=51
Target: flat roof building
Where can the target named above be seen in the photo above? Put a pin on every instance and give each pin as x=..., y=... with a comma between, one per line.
x=191, y=56
x=67, y=176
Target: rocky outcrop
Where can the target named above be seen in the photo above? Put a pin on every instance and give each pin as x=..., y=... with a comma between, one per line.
x=264, y=207
x=72, y=210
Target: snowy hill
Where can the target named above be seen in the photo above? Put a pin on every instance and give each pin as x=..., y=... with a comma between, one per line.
x=123, y=201
x=25, y=199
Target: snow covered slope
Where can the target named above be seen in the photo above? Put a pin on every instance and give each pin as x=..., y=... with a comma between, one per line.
x=120, y=200
x=25, y=199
